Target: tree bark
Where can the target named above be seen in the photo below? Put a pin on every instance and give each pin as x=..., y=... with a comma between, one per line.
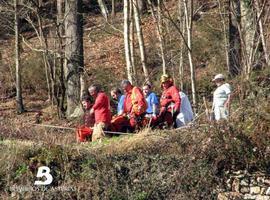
x=188, y=16
x=45, y=54
x=19, y=99
x=141, y=5
x=182, y=26
x=140, y=39
x=223, y=8
x=258, y=12
x=126, y=40
x=248, y=33
x=113, y=9
x=60, y=33
x=131, y=42
x=104, y=9
x=73, y=53
x=234, y=38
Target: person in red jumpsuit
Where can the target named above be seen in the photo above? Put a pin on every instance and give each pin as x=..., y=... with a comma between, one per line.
x=169, y=102
x=135, y=104
x=84, y=131
x=101, y=111
x=135, y=107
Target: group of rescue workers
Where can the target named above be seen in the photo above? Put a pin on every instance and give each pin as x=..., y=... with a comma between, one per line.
x=138, y=108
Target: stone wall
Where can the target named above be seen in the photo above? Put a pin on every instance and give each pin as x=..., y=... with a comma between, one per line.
x=249, y=186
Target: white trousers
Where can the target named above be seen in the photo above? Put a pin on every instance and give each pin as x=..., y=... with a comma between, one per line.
x=221, y=113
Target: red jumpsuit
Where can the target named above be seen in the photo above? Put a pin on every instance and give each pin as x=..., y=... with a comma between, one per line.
x=134, y=107
x=170, y=102
x=84, y=131
x=135, y=102
x=102, y=109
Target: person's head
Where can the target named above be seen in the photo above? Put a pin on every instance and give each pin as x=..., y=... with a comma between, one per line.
x=115, y=93
x=219, y=79
x=166, y=81
x=126, y=85
x=86, y=102
x=146, y=89
x=94, y=90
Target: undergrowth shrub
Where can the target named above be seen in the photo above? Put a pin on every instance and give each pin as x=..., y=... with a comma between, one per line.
x=33, y=70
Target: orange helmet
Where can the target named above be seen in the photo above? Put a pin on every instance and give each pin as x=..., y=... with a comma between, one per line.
x=165, y=78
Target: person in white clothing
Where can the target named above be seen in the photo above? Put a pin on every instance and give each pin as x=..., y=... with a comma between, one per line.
x=186, y=114
x=221, y=98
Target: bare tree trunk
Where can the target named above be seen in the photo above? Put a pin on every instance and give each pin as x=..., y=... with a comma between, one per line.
x=45, y=54
x=188, y=16
x=60, y=33
x=248, y=32
x=39, y=32
x=19, y=99
x=104, y=9
x=259, y=10
x=141, y=5
x=113, y=9
x=181, y=61
x=140, y=39
x=126, y=40
x=234, y=38
x=73, y=53
x=223, y=8
x=131, y=42
x=157, y=20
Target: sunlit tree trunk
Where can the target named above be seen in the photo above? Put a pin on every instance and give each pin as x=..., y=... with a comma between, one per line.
x=248, y=33
x=113, y=8
x=103, y=9
x=188, y=18
x=132, y=42
x=223, y=9
x=19, y=99
x=140, y=39
x=141, y=5
x=126, y=40
x=181, y=60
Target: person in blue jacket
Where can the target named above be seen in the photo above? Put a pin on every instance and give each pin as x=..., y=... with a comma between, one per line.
x=152, y=101
x=117, y=96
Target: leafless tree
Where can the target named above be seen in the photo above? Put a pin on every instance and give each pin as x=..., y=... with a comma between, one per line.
x=234, y=38
x=104, y=9
x=158, y=23
x=140, y=38
x=19, y=99
x=259, y=10
x=188, y=7
x=73, y=53
x=127, y=40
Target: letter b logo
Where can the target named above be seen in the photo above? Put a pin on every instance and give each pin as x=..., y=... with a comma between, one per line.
x=44, y=171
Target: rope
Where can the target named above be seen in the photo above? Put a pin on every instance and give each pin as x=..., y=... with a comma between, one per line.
x=70, y=128
x=52, y=126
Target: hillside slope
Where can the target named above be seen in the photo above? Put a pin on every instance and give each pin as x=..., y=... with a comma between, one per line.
x=188, y=163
